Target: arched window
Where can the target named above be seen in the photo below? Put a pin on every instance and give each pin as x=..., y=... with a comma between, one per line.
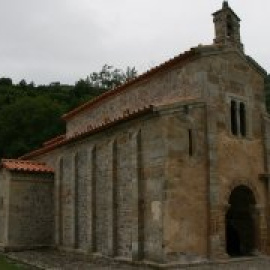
x=234, y=117
x=242, y=113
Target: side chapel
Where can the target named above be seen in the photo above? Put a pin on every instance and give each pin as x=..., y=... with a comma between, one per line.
x=173, y=163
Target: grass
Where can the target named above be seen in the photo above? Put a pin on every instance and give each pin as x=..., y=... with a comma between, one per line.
x=6, y=264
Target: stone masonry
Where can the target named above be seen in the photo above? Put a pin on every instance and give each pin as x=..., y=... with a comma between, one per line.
x=172, y=165
x=26, y=210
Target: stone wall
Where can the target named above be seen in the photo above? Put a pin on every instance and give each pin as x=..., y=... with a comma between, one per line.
x=102, y=191
x=223, y=161
x=119, y=176
x=186, y=188
x=31, y=211
x=81, y=200
x=177, y=82
x=2, y=212
x=4, y=197
x=234, y=159
x=123, y=177
x=154, y=187
x=67, y=203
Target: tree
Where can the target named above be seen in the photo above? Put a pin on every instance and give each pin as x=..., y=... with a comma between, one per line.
x=23, y=84
x=82, y=87
x=130, y=73
x=30, y=115
x=110, y=77
x=27, y=123
x=5, y=81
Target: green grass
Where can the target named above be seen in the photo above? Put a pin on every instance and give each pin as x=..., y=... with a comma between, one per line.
x=6, y=264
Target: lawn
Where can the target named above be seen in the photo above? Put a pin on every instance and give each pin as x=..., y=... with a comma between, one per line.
x=6, y=264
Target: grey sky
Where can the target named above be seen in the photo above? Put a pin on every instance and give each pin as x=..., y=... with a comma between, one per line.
x=65, y=40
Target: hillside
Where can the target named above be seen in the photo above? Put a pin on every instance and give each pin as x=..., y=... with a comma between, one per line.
x=30, y=115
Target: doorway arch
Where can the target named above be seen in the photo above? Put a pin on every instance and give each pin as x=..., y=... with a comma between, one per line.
x=240, y=222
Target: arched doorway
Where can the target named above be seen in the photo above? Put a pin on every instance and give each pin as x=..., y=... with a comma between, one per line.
x=240, y=223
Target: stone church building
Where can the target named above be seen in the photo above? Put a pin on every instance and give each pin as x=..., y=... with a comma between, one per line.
x=171, y=164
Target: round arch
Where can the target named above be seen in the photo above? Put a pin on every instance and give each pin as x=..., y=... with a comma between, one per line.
x=225, y=197
x=240, y=222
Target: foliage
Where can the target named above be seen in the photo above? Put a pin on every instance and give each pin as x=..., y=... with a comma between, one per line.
x=6, y=264
x=31, y=120
x=109, y=77
x=30, y=115
x=5, y=81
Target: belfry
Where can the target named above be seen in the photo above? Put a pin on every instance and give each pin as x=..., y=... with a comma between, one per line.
x=227, y=27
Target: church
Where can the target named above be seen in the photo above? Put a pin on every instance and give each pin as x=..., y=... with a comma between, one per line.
x=173, y=164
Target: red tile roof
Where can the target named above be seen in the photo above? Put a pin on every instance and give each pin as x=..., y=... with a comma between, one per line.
x=25, y=166
x=180, y=59
x=54, y=140
x=89, y=130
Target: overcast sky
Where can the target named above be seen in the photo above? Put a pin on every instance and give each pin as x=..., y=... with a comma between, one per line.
x=65, y=40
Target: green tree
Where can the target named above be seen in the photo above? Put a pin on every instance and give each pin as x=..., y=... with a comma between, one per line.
x=5, y=81
x=23, y=84
x=110, y=77
x=26, y=123
x=130, y=73
x=82, y=87
x=30, y=114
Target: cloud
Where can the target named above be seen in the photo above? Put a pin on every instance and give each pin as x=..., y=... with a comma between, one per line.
x=64, y=40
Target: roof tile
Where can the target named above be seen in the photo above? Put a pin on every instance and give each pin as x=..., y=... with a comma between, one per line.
x=25, y=166
x=89, y=130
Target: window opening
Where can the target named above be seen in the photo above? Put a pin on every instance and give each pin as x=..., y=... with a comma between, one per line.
x=229, y=26
x=233, y=117
x=190, y=143
x=242, y=119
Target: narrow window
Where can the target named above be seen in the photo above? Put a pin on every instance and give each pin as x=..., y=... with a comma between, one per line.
x=229, y=26
x=242, y=119
x=233, y=118
x=190, y=143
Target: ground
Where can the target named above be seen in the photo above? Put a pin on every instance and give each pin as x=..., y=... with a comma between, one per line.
x=6, y=264
x=53, y=260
